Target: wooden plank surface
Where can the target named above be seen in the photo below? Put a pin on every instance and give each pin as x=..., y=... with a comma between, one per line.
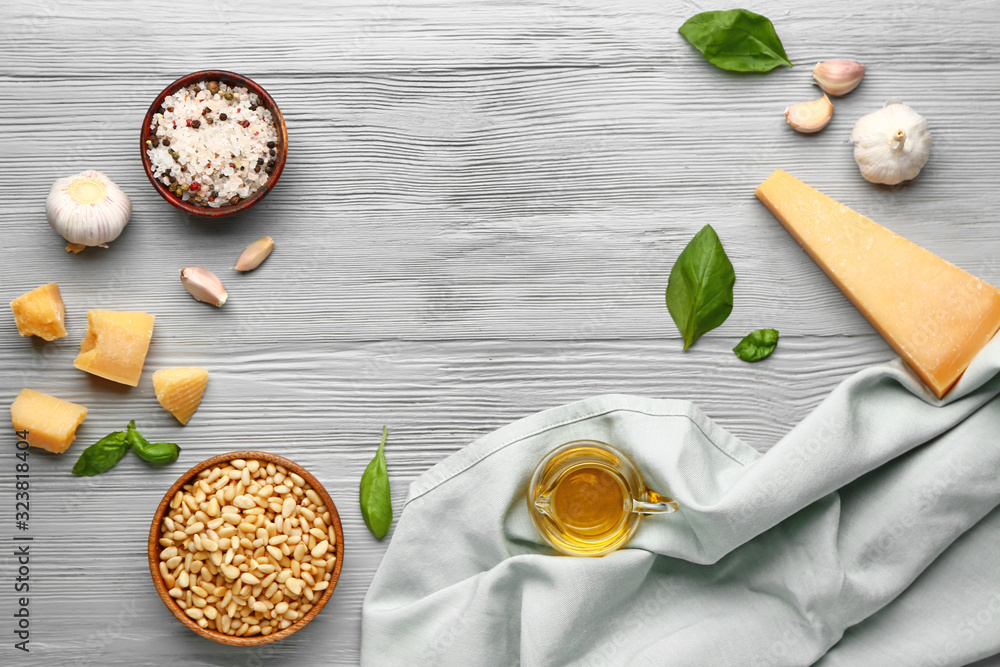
x=481, y=206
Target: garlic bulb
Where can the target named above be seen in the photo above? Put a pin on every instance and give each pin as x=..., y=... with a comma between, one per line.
x=838, y=77
x=88, y=209
x=809, y=117
x=891, y=145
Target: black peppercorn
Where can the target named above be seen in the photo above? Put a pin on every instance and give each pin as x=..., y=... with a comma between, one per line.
x=166, y=142
x=260, y=160
x=196, y=124
x=271, y=144
x=155, y=140
x=273, y=152
x=223, y=116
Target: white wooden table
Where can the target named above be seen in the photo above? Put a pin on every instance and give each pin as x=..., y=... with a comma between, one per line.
x=480, y=209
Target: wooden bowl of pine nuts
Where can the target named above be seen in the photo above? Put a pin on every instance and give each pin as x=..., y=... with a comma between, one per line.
x=246, y=548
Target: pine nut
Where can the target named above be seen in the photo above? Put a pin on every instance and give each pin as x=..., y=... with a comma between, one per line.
x=319, y=550
x=195, y=613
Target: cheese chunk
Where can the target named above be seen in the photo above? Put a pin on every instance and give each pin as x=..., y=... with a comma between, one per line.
x=50, y=422
x=40, y=312
x=115, y=345
x=179, y=390
x=934, y=314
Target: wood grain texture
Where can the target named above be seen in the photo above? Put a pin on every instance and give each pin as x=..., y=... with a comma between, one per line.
x=481, y=205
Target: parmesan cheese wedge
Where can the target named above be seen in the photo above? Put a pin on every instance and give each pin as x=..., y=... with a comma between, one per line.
x=934, y=314
x=179, y=390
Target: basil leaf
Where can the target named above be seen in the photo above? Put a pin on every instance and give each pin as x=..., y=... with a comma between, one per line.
x=376, y=502
x=154, y=452
x=757, y=344
x=736, y=40
x=700, y=287
x=102, y=455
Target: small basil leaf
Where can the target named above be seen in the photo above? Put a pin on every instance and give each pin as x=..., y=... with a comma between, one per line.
x=102, y=455
x=376, y=501
x=736, y=40
x=700, y=287
x=757, y=345
x=158, y=452
x=154, y=452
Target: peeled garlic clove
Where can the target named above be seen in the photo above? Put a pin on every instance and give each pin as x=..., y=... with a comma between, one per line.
x=204, y=285
x=838, y=77
x=809, y=117
x=892, y=144
x=255, y=253
x=88, y=209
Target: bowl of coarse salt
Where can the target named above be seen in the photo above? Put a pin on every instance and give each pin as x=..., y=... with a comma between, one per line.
x=213, y=143
x=246, y=548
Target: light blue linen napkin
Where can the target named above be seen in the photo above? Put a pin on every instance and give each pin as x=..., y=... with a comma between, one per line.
x=864, y=537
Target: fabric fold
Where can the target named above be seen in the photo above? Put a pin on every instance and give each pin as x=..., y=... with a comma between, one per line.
x=769, y=561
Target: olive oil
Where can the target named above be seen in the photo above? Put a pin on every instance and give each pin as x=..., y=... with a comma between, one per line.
x=589, y=500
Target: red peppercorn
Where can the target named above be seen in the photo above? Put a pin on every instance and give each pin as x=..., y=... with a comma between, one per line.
x=189, y=122
x=245, y=123
x=195, y=186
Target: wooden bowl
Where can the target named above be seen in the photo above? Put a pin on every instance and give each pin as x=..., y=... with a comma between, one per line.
x=155, y=548
x=233, y=79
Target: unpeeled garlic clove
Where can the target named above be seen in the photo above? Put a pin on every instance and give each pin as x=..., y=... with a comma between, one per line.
x=255, y=253
x=838, y=77
x=204, y=285
x=809, y=117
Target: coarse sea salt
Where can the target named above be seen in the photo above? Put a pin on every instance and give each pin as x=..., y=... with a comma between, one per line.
x=210, y=150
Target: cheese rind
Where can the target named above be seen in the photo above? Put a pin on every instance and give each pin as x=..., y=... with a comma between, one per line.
x=40, y=312
x=179, y=390
x=935, y=315
x=115, y=345
x=51, y=422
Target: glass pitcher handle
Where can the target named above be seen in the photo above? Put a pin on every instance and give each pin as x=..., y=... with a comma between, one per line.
x=654, y=503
